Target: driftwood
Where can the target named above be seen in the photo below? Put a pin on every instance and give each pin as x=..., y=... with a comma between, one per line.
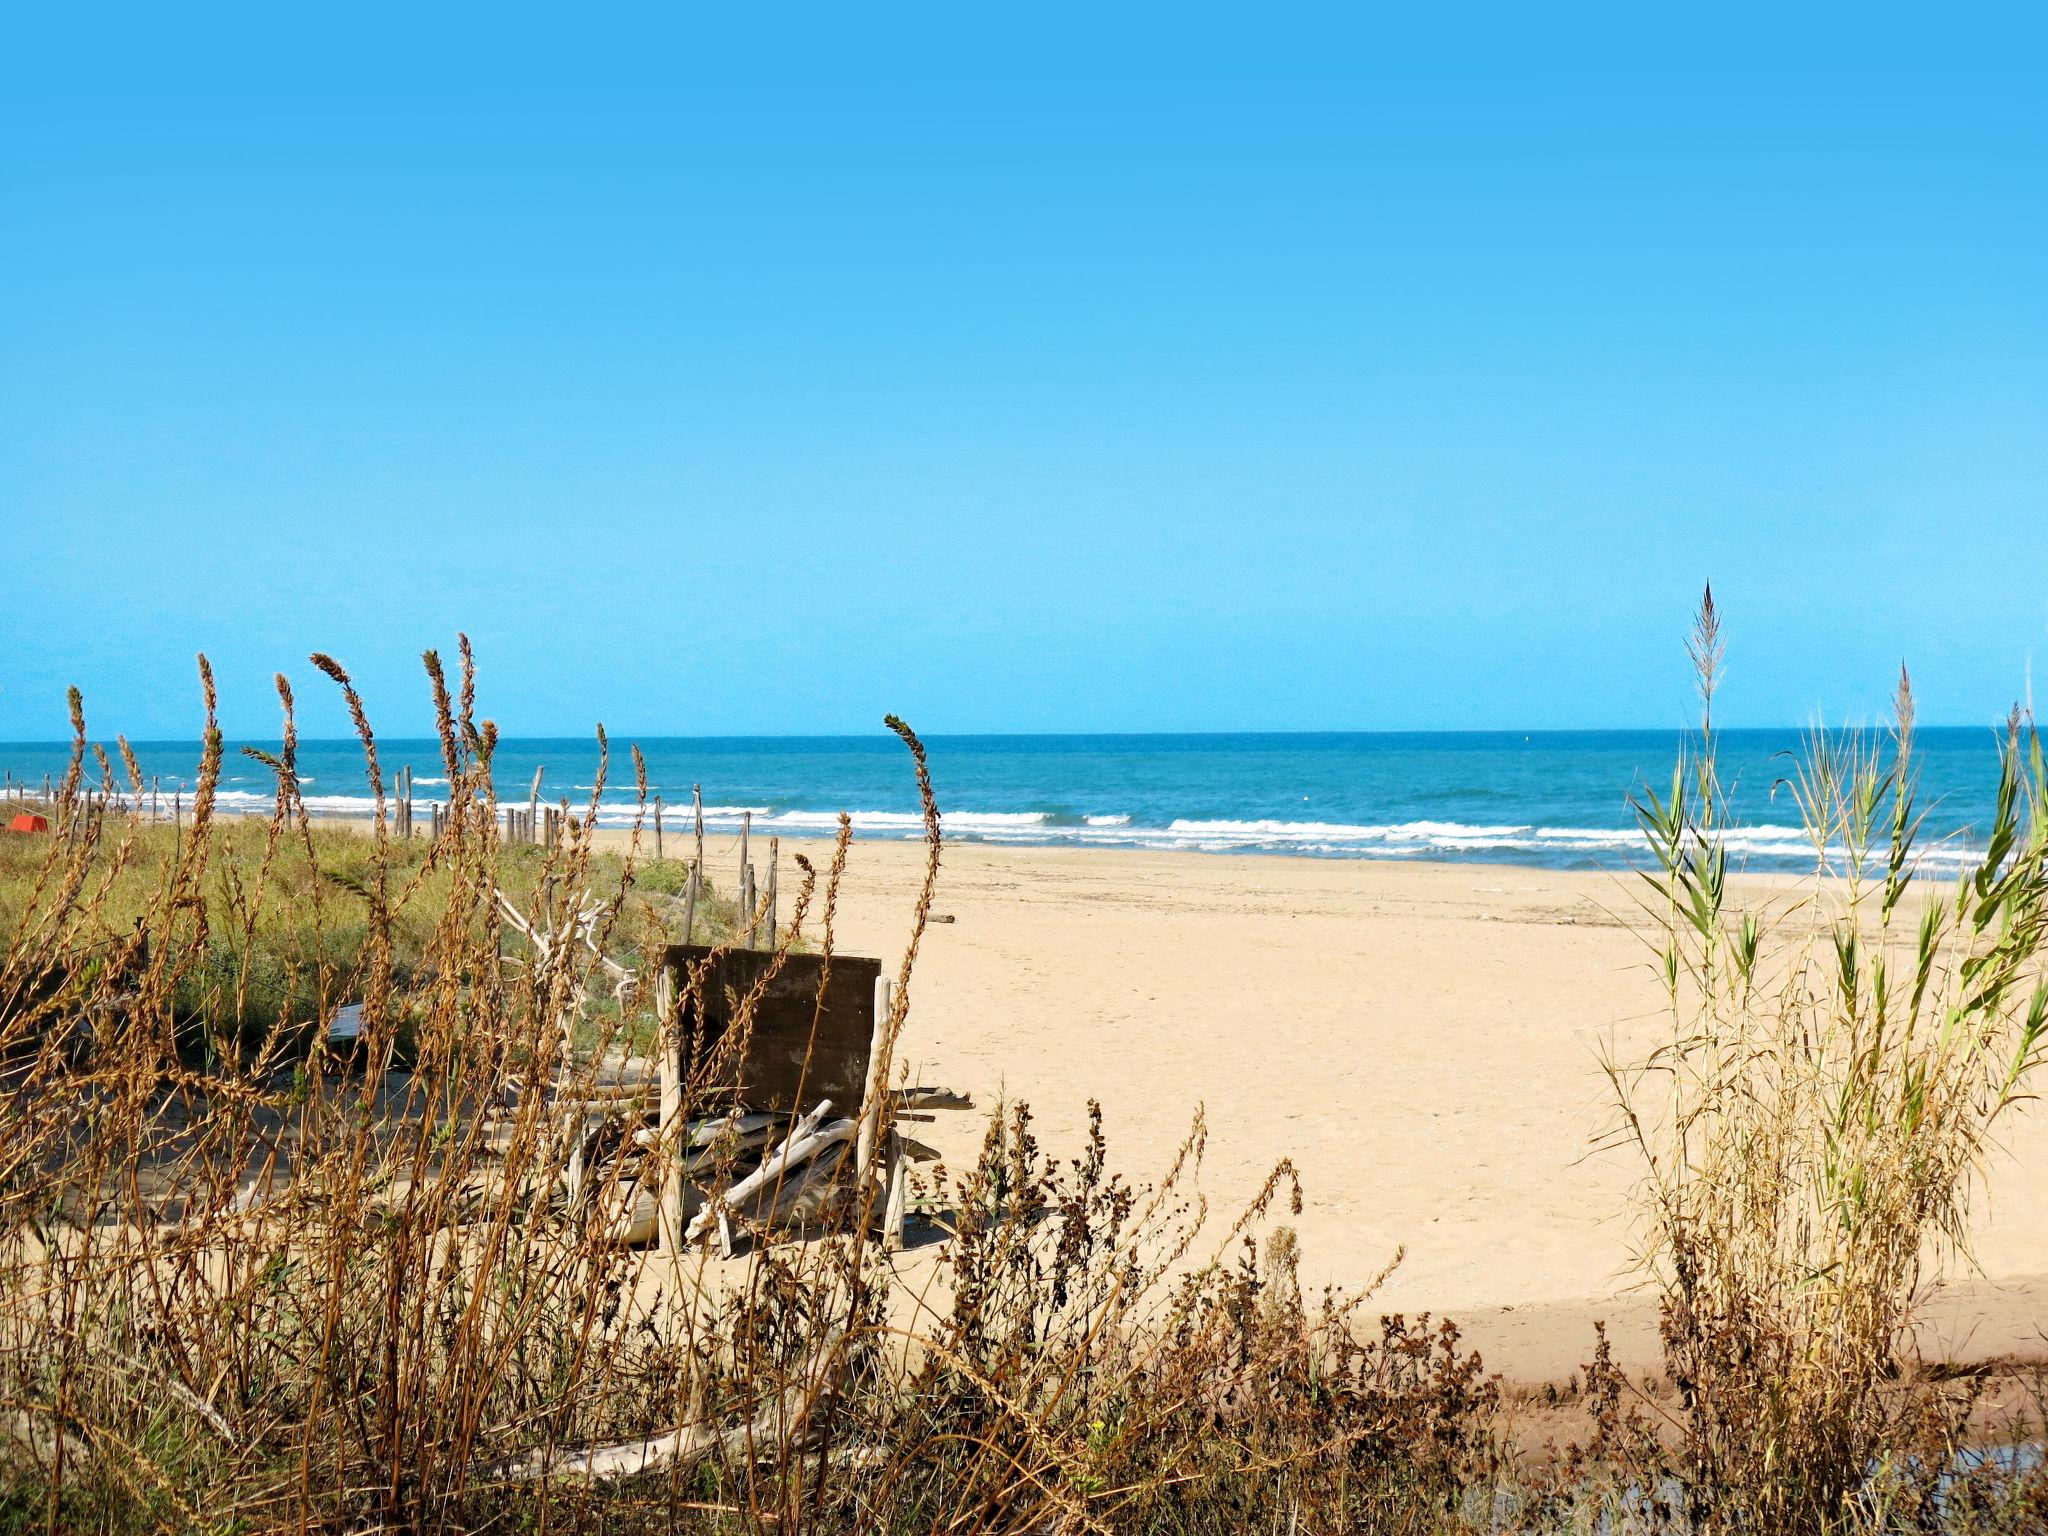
x=726, y=1148
x=805, y=1194
x=752, y=1154
x=776, y=1424
x=804, y=1143
x=581, y=932
x=932, y=1098
x=704, y=1132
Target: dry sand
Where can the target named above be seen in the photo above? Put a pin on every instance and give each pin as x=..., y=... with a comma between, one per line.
x=1422, y=1041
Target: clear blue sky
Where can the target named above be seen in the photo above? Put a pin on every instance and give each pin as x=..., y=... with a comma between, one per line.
x=1027, y=368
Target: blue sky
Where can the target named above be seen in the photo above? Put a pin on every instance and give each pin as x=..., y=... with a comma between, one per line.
x=1051, y=368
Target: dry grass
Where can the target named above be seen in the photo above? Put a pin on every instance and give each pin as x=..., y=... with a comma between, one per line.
x=244, y=1290
x=241, y=1290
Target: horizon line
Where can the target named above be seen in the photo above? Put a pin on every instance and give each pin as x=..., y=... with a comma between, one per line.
x=882, y=735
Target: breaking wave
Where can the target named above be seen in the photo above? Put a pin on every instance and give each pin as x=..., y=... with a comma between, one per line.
x=1758, y=847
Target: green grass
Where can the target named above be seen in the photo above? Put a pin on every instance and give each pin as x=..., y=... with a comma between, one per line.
x=283, y=932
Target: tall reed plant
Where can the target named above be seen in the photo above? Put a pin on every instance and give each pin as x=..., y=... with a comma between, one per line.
x=1811, y=1130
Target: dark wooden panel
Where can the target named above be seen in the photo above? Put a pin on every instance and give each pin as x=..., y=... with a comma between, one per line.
x=768, y=1075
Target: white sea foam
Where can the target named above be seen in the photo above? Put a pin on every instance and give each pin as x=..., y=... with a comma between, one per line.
x=1446, y=833
x=1764, y=846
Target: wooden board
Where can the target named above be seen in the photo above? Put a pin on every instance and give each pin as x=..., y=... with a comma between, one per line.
x=768, y=1076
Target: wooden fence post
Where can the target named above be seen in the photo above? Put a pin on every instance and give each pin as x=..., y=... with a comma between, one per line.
x=871, y=1094
x=696, y=864
x=746, y=876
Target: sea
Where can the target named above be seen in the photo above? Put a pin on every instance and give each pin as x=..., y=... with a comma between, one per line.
x=1552, y=799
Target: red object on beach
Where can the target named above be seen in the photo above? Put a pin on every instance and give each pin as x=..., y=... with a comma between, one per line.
x=27, y=823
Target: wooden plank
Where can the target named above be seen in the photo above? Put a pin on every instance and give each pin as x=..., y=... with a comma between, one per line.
x=768, y=1075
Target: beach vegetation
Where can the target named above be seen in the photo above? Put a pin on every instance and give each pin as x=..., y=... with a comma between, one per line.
x=248, y=1283
x=1839, y=1058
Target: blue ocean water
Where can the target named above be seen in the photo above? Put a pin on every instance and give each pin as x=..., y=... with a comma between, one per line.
x=1554, y=799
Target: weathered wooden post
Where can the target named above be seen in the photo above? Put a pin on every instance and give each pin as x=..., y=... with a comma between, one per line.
x=696, y=865
x=533, y=801
x=668, y=1229
x=746, y=876
x=871, y=1094
x=774, y=864
x=657, y=829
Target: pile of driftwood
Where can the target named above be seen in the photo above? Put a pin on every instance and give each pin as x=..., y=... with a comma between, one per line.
x=735, y=1130
x=762, y=1173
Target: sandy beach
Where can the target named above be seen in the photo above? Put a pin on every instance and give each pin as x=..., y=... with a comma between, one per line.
x=1422, y=1040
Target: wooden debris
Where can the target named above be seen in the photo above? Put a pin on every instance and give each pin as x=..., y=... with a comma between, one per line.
x=932, y=1098
x=778, y=1422
x=805, y=1142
